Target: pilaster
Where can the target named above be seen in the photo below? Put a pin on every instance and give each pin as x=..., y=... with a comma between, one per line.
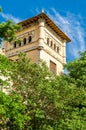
x=64, y=51
x=41, y=32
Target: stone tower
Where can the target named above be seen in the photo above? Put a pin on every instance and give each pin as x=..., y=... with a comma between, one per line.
x=40, y=39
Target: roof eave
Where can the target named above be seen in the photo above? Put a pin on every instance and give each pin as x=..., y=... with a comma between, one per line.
x=49, y=22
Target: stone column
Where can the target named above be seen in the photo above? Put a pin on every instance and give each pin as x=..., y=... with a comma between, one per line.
x=41, y=33
x=27, y=39
x=64, y=51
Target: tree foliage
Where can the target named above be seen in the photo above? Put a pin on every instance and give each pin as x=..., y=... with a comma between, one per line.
x=0, y=9
x=12, y=112
x=8, y=30
x=77, y=70
x=48, y=101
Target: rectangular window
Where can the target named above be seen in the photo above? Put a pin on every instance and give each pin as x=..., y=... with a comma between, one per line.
x=52, y=67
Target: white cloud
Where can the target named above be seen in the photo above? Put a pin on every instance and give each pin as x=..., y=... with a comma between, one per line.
x=10, y=17
x=71, y=25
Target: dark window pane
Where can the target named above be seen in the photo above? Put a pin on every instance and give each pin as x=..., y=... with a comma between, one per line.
x=15, y=44
x=48, y=41
x=54, y=47
x=51, y=44
x=29, y=39
x=24, y=41
x=58, y=49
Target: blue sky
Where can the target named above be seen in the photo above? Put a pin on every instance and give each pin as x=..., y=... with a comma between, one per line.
x=69, y=16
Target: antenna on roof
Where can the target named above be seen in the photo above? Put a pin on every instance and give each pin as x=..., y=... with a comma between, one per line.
x=42, y=10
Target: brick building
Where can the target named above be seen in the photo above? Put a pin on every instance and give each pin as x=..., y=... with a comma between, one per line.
x=40, y=39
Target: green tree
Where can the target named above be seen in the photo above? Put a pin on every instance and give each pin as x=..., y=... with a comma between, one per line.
x=53, y=102
x=73, y=91
x=35, y=83
x=12, y=109
x=8, y=30
x=0, y=9
x=12, y=112
x=50, y=102
x=77, y=70
x=5, y=66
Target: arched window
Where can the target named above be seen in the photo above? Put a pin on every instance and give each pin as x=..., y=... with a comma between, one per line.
x=15, y=44
x=58, y=49
x=30, y=39
x=48, y=41
x=51, y=44
x=24, y=41
x=54, y=46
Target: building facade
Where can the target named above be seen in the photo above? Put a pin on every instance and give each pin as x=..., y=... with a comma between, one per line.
x=40, y=39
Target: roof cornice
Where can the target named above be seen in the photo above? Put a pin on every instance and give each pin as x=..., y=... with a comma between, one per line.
x=49, y=22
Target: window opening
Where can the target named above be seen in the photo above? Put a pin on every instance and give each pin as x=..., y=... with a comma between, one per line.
x=15, y=44
x=51, y=43
x=54, y=47
x=24, y=41
x=29, y=39
x=58, y=49
x=52, y=67
x=48, y=41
